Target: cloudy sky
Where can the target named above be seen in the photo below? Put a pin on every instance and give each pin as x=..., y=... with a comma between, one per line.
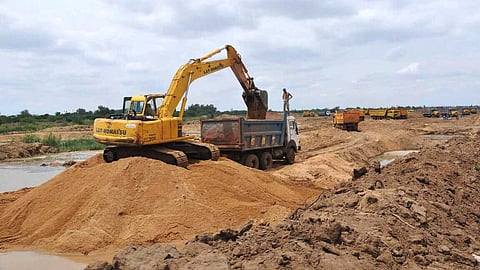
x=58, y=56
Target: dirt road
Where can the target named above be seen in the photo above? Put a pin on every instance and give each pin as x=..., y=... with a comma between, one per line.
x=95, y=206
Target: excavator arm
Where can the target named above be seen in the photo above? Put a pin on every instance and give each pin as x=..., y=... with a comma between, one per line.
x=255, y=99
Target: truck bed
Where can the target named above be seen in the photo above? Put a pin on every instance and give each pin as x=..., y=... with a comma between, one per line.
x=347, y=117
x=241, y=134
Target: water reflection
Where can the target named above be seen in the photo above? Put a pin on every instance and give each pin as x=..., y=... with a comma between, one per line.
x=29, y=172
x=27, y=260
x=388, y=157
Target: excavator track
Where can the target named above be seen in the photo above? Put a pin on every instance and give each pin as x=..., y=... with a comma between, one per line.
x=171, y=156
x=177, y=153
x=164, y=154
x=196, y=150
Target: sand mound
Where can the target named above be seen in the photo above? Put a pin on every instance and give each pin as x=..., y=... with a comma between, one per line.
x=420, y=212
x=94, y=205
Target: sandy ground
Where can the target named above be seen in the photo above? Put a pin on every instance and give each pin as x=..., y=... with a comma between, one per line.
x=94, y=206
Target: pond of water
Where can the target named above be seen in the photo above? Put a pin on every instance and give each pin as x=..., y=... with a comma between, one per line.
x=27, y=260
x=388, y=157
x=29, y=172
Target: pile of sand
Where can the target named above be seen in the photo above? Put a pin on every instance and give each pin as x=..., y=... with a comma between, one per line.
x=419, y=212
x=94, y=205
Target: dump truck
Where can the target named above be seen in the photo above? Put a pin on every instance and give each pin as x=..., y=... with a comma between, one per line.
x=454, y=113
x=361, y=113
x=308, y=113
x=432, y=113
x=347, y=120
x=324, y=113
x=255, y=143
x=397, y=113
x=377, y=114
x=427, y=113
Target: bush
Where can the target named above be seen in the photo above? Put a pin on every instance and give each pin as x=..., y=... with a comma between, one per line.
x=31, y=138
x=52, y=140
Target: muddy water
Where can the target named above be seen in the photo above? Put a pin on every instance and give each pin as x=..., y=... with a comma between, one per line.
x=388, y=157
x=29, y=172
x=27, y=260
x=32, y=172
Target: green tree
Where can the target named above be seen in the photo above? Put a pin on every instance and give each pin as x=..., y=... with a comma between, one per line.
x=81, y=111
x=25, y=113
x=197, y=110
x=103, y=111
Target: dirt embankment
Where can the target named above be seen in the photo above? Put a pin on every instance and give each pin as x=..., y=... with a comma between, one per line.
x=24, y=150
x=421, y=212
x=12, y=147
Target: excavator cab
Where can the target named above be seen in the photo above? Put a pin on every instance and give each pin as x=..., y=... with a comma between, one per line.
x=141, y=107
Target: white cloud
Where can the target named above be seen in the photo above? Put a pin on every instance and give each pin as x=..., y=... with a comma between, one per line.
x=367, y=13
x=136, y=66
x=412, y=68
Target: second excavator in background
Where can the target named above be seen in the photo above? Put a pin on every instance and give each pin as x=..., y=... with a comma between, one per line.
x=147, y=127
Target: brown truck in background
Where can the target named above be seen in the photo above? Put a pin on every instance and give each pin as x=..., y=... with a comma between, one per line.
x=347, y=120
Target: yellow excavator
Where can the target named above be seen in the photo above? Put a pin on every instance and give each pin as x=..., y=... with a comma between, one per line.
x=147, y=126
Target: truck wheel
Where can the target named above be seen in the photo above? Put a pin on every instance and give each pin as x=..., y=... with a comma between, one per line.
x=290, y=156
x=266, y=161
x=251, y=160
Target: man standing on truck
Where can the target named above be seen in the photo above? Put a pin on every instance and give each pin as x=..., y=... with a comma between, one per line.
x=286, y=96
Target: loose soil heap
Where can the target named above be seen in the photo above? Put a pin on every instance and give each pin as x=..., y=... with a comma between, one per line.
x=420, y=212
x=24, y=150
x=94, y=205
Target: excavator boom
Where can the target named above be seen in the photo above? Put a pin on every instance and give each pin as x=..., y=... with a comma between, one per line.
x=255, y=99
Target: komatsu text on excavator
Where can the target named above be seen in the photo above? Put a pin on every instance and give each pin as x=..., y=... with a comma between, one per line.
x=147, y=127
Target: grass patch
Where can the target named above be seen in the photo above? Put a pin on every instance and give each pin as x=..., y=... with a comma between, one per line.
x=68, y=145
x=52, y=140
x=31, y=138
x=80, y=144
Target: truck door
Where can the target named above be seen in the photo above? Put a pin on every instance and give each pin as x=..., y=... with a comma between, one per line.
x=293, y=131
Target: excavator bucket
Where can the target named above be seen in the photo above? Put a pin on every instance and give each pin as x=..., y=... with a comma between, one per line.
x=257, y=103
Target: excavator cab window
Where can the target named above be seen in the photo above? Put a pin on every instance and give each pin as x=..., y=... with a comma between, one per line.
x=126, y=105
x=136, y=107
x=150, y=110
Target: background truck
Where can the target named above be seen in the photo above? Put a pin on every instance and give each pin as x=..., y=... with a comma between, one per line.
x=347, y=120
x=309, y=114
x=453, y=113
x=361, y=113
x=377, y=114
x=254, y=143
x=397, y=113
